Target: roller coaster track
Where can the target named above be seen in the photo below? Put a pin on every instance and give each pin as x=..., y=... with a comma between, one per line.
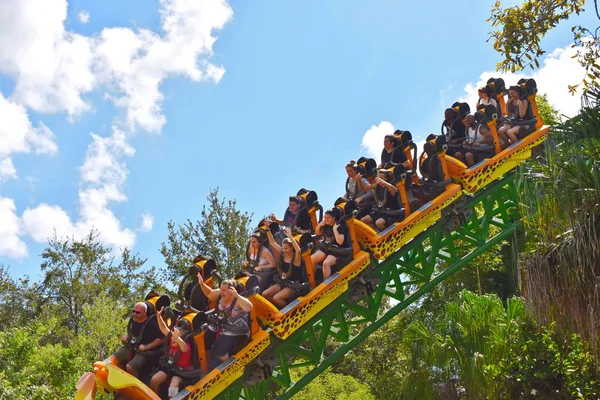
x=392, y=270
x=486, y=219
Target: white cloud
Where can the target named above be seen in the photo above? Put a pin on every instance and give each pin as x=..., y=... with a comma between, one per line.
x=10, y=244
x=557, y=71
x=51, y=67
x=147, y=223
x=83, y=17
x=54, y=68
x=372, y=140
x=18, y=135
x=103, y=175
x=139, y=62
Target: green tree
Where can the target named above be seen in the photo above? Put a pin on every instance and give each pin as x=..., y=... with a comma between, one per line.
x=332, y=386
x=519, y=30
x=221, y=233
x=478, y=348
x=560, y=205
x=77, y=271
x=20, y=300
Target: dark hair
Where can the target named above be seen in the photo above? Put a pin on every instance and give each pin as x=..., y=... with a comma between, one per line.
x=287, y=241
x=334, y=212
x=391, y=138
x=184, y=326
x=517, y=89
x=386, y=172
x=352, y=164
x=295, y=199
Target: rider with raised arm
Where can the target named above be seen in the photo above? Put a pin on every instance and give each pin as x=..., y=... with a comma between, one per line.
x=387, y=210
x=289, y=266
x=354, y=190
x=177, y=354
x=230, y=330
x=292, y=219
x=333, y=236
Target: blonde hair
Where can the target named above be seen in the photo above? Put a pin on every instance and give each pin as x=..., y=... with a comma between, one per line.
x=230, y=282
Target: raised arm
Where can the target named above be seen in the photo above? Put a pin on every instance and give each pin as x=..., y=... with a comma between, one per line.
x=319, y=228
x=242, y=302
x=273, y=218
x=298, y=253
x=161, y=322
x=273, y=243
x=393, y=189
x=212, y=294
x=362, y=185
x=339, y=238
x=183, y=346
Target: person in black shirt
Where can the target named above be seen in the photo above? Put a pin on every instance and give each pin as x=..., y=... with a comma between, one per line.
x=333, y=236
x=455, y=129
x=389, y=157
x=289, y=266
x=299, y=222
x=387, y=210
x=143, y=335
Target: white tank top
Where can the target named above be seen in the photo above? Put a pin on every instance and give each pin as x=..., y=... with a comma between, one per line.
x=473, y=135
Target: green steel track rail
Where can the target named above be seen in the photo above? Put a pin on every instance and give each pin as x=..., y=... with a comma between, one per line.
x=470, y=227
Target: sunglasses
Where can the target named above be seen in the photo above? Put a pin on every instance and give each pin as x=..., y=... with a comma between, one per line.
x=136, y=311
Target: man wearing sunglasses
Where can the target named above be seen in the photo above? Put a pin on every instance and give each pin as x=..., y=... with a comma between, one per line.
x=143, y=336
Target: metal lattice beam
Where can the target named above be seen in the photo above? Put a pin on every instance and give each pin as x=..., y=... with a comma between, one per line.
x=480, y=223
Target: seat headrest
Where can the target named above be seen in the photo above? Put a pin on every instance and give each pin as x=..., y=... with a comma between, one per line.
x=203, y=265
x=485, y=111
x=309, y=196
x=462, y=109
x=398, y=171
x=366, y=165
x=440, y=142
x=346, y=207
x=497, y=86
x=529, y=86
x=403, y=137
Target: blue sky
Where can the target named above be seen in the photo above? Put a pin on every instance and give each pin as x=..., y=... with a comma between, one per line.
x=256, y=98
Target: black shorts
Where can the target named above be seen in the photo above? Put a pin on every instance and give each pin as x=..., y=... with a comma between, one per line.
x=387, y=218
x=525, y=130
x=224, y=344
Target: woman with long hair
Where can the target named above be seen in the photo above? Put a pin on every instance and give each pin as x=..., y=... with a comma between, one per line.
x=518, y=109
x=260, y=261
x=226, y=336
x=333, y=237
x=289, y=266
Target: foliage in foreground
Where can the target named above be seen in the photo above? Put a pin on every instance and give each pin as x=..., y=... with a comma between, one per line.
x=560, y=201
x=475, y=347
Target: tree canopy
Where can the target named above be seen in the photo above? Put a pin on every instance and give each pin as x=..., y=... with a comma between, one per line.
x=518, y=32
